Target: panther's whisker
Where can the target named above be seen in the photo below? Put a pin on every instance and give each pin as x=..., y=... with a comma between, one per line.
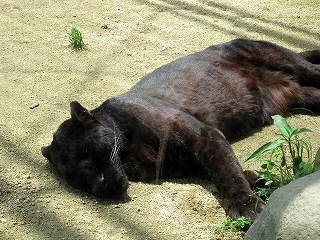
x=114, y=156
x=123, y=165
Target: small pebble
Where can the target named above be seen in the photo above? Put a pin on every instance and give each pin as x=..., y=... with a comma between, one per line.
x=34, y=105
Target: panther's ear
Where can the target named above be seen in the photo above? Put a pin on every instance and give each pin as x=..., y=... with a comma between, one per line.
x=79, y=114
x=45, y=150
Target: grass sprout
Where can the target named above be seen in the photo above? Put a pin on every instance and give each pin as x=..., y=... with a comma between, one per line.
x=76, y=40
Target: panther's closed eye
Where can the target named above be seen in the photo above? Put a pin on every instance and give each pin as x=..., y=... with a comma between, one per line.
x=84, y=164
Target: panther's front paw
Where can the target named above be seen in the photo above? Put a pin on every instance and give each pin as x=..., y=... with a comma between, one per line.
x=249, y=207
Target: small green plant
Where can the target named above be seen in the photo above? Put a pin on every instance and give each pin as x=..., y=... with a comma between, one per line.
x=291, y=158
x=230, y=225
x=75, y=39
x=235, y=225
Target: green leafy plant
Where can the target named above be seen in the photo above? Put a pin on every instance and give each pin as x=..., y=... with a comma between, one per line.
x=236, y=225
x=76, y=40
x=230, y=225
x=291, y=158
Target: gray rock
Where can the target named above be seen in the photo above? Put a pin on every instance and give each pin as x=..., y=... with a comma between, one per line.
x=293, y=212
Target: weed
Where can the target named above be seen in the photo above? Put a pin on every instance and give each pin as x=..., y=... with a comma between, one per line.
x=236, y=225
x=66, y=70
x=75, y=40
x=278, y=170
x=230, y=225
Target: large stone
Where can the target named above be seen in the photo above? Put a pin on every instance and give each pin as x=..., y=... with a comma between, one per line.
x=293, y=212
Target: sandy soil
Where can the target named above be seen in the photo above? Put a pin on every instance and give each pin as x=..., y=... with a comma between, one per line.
x=126, y=40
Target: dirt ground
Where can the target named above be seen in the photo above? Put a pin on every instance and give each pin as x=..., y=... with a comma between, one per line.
x=40, y=75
